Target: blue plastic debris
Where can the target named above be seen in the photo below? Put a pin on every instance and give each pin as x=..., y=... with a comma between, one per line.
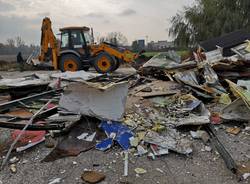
x=123, y=140
x=105, y=144
x=115, y=131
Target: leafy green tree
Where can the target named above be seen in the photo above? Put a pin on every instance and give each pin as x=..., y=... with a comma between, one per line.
x=209, y=18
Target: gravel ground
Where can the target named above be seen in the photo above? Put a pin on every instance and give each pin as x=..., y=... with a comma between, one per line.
x=201, y=167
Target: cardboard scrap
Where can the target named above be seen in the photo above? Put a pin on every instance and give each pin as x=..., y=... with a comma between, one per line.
x=92, y=176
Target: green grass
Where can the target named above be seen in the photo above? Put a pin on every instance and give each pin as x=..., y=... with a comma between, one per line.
x=181, y=53
x=149, y=54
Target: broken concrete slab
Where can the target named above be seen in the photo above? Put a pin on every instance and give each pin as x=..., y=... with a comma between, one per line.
x=106, y=103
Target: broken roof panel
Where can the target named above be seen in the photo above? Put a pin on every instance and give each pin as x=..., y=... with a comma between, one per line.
x=21, y=82
x=169, y=61
x=78, y=75
x=226, y=41
x=243, y=50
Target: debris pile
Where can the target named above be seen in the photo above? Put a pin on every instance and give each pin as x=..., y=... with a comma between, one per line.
x=159, y=110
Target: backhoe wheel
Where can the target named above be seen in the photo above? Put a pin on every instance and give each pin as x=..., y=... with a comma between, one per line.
x=117, y=64
x=104, y=63
x=85, y=68
x=70, y=62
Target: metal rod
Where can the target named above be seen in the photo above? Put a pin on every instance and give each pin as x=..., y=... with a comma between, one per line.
x=21, y=133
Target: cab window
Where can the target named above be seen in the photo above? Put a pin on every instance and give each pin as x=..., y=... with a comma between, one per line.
x=65, y=39
x=87, y=37
x=77, y=39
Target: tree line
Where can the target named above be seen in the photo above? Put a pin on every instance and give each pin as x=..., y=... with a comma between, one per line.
x=209, y=18
x=15, y=45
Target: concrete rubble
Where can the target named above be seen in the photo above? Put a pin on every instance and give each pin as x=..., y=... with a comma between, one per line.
x=144, y=115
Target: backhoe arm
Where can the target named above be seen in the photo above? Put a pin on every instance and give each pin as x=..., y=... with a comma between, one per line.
x=121, y=53
x=48, y=42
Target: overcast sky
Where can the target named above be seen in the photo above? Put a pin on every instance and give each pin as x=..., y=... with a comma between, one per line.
x=136, y=19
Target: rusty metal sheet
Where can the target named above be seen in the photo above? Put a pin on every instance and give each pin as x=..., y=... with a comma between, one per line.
x=70, y=145
x=22, y=113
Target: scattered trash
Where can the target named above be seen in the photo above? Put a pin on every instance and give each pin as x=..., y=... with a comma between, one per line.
x=115, y=131
x=200, y=134
x=105, y=144
x=225, y=99
x=141, y=151
x=92, y=176
x=14, y=160
x=172, y=142
x=49, y=141
x=70, y=145
x=13, y=168
x=245, y=176
x=139, y=170
x=126, y=164
x=142, y=113
x=158, y=150
x=158, y=169
x=215, y=118
x=54, y=181
x=233, y=130
x=208, y=148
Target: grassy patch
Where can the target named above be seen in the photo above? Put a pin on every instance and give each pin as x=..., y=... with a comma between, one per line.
x=180, y=53
x=150, y=54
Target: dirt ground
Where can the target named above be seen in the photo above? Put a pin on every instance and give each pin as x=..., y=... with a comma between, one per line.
x=201, y=167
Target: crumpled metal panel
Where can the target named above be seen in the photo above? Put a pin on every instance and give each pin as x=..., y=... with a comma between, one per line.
x=21, y=82
x=240, y=92
x=70, y=145
x=78, y=75
x=237, y=111
x=169, y=61
x=107, y=103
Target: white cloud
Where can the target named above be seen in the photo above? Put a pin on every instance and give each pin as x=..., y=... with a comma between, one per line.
x=146, y=17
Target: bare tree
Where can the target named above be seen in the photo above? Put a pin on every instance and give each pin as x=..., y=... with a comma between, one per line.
x=10, y=42
x=116, y=38
x=19, y=42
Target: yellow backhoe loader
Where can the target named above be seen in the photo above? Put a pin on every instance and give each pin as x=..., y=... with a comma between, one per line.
x=76, y=50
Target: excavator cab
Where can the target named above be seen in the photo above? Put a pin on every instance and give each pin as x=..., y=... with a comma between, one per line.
x=74, y=51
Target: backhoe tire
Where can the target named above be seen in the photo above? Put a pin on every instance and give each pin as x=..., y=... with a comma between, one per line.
x=104, y=63
x=85, y=68
x=117, y=64
x=70, y=62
